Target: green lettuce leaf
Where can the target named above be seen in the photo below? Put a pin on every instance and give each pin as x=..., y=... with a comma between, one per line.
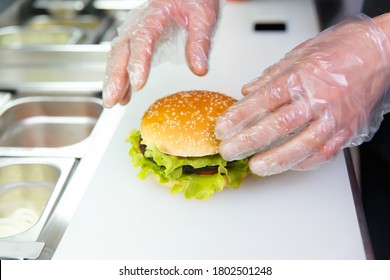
x=168, y=168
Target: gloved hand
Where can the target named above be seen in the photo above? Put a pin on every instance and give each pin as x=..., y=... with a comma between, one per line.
x=326, y=94
x=131, y=52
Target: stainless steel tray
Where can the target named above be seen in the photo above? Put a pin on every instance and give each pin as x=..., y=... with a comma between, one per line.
x=92, y=26
x=22, y=36
x=62, y=8
x=48, y=126
x=117, y=4
x=59, y=69
x=25, y=174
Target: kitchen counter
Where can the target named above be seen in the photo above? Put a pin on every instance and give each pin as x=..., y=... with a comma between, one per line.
x=294, y=215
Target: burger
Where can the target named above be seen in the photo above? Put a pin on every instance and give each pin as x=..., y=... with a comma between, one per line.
x=176, y=145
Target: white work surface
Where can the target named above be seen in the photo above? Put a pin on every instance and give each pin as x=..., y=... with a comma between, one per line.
x=295, y=215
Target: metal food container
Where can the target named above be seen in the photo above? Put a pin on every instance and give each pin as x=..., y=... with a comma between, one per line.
x=21, y=36
x=29, y=191
x=53, y=69
x=48, y=125
x=62, y=8
x=117, y=4
x=80, y=21
x=92, y=26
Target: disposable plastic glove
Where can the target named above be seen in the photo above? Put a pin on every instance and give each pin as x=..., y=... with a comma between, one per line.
x=326, y=94
x=130, y=57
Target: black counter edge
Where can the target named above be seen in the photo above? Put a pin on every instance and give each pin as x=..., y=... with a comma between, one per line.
x=358, y=205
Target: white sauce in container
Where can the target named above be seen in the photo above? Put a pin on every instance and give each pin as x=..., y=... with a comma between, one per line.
x=21, y=205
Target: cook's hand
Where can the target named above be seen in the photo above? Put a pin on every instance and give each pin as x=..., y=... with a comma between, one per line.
x=131, y=52
x=326, y=94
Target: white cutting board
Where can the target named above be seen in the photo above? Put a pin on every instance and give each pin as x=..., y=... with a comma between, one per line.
x=295, y=215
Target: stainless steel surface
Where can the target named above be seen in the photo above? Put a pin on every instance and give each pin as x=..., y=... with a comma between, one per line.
x=49, y=111
x=24, y=191
x=18, y=37
x=63, y=8
x=21, y=250
x=55, y=56
x=9, y=10
x=48, y=125
x=80, y=21
x=61, y=4
x=117, y=4
x=33, y=59
x=54, y=69
x=4, y=98
x=92, y=26
x=110, y=33
x=30, y=174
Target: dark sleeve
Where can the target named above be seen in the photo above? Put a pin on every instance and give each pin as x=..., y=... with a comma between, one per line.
x=374, y=8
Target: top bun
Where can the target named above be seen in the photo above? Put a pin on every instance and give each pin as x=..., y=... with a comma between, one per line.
x=182, y=124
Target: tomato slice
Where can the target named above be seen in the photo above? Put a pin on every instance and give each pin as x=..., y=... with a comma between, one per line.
x=207, y=172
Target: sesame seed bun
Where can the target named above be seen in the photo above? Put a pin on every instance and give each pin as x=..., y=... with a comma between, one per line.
x=182, y=124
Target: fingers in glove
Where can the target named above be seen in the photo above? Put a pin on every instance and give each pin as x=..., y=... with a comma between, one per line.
x=294, y=151
x=268, y=130
x=116, y=81
x=328, y=151
x=200, y=29
x=252, y=108
x=142, y=46
x=127, y=96
x=286, y=62
x=266, y=76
